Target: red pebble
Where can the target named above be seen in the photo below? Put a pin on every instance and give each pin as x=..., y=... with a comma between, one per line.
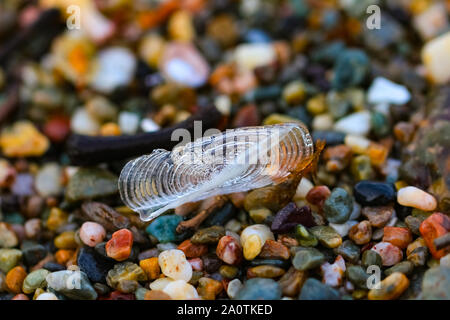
x=434, y=227
x=57, y=128
x=119, y=247
x=318, y=195
x=399, y=237
x=229, y=250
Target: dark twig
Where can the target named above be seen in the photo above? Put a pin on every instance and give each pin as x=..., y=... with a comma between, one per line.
x=86, y=150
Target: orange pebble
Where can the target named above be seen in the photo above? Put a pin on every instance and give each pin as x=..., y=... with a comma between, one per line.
x=400, y=237
x=151, y=267
x=20, y=296
x=14, y=279
x=110, y=129
x=192, y=250
x=433, y=227
x=63, y=255
x=119, y=247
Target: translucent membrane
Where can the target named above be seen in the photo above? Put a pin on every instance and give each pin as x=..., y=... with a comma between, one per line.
x=233, y=161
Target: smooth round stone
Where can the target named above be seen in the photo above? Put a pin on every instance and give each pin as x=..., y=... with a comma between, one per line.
x=83, y=123
x=383, y=90
x=338, y=206
x=358, y=123
x=307, y=258
x=94, y=265
x=251, y=55
x=313, y=289
x=73, y=284
x=259, y=289
x=92, y=233
x=370, y=258
x=48, y=180
x=47, y=296
x=9, y=258
x=358, y=276
x=302, y=189
x=34, y=280
x=344, y=228
x=209, y=235
x=180, y=290
x=371, y=193
x=416, y=198
x=349, y=251
x=389, y=253
x=234, y=286
x=327, y=236
x=405, y=267
x=128, y=122
x=173, y=264
x=91, y=183
x=350, y=69
x=33, y=252
x=163, y=228
x=265, y=271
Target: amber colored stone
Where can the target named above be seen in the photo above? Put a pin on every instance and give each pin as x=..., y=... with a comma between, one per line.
x=110, y=129
x=361, y=233
x=274, y=250
x=433, y=227
x=229, y=250
x=20, y=296
x=317, y=195
x=63, y=255
x=192, y=250
x=265, y=271
x=292, y=281
x=377, y=153
x=287, y=241
x=392, y=287
x=56, y=219
x=209, y=288
x=66, y=240
x=337, y=157
x=403, y=131
x=14, y=279
x=119, y=246
x=151, y=267
x=154, y=17
x=399, y=237
x=156, y=295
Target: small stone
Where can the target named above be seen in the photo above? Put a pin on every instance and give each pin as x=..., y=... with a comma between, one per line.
x=405, y=267
x=211, y=263
x=361, y=168
x=400, y=237
x=92, y=233
x=434, y=55
x=249, y=56
x=91, y=183
x=253, y=239
x=413, y=224
x=433, y=227
x=34, y=280
x=436, y=284
x=180, y=290
x=156, y=295
x=163, y=228
x=265, y=271
x=371, y=193
x=209, y=288
x=23, y=140
x=259, y=289
x=229, y=250
x=416, y=198
x=357, y=123
x=119, y=247
x=234, y=286
x=290, y=216
x=94, y=265
x=327, y=236
x=63, y=256
x=260, y=215
x=418, y=256
x=357, y=276
x=338, y=206
x=349, y=251
x=56, y=219
x=8, y=237
x=14, y=279
x=313, y=289
x=66, y=240
x=344, y=228
x=337, y=157
x=83, y=123
x=228, y=272
x=383, y=90
x=73, y=284
x=302, y=189
x=294, y=92
x=305, y=238
x=371, y=257
x=274, y=250
x=389, y=253
x=307, y=258
x=110, y=129
x=392, y=287
x=317, y=195
x=361, y=233
x=358, y=144
x=378, y=216
x=125, y=274
x=47, y=296
x=9, y=258
x=333, y=273
x=173, y=264
x=322, y=122
x=196, y=264
x=48, y=180
x=209, y=235
x=192, y=250
x=128, y=122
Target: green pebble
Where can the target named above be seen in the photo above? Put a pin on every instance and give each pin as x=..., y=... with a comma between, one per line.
x=9, y=258
x=313, y=289
x=125, y=271
x=338, y=104
x=140, y=293
x=209, y=235
x=350, y=69
x=370, y=258
x=14, y=218
x=361, y=168
x=338, y=206
x=349, y=251
x=380, y=124
x=305, y=238
x=91, y=183
x=405, y=267
x=358, y=276
x=34, y=280
x=327, y=236
x=196, y=275
x=307, y=258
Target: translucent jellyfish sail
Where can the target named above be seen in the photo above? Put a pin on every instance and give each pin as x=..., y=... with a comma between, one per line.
x=233, y=161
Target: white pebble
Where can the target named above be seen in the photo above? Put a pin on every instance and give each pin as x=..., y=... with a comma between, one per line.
x=148, y=125
x=233, y=288
x=432, y=21
x=166, y=246
x=160, y=284
x=173, y=264
x=128, y=122
x=251, y=55
x=323, y=122
x=47, y=296
x=83, y=123
x=435, y=55
x=181, y=290
x=116, y=67
x=261, y=230
x=343, y=228
x=416, y=198
x=92, y=233
x=302, y=189
x=357, y=123
x=223, y=104
x=358, y=144
x=48, y=180
x=383, y=90
x=233, y=225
